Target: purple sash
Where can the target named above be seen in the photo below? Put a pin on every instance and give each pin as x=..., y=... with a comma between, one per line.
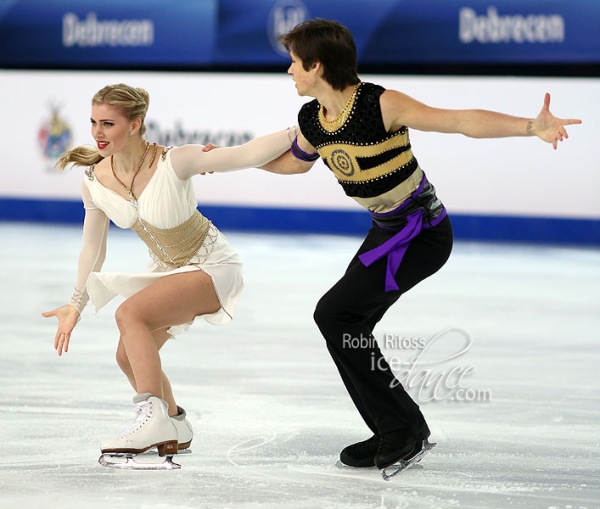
x=396, y=247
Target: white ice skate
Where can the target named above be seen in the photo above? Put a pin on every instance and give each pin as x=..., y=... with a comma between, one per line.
x=185, y=432
x=152, y=428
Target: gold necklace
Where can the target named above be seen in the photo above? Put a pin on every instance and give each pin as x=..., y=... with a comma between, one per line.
x=129, y=189
x=333, y=125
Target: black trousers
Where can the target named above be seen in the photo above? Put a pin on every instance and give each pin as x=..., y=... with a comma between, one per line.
x=352, y=308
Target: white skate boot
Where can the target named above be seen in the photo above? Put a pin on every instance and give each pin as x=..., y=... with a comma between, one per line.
x=185, y=432
x=152, y=428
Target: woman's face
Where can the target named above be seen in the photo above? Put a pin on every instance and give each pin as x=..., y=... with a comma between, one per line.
x=110, y=129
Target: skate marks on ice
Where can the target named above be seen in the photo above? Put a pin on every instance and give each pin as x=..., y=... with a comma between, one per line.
x=369, y=474
x=510, y=452
x=275, y=456
x=269, y=462
x=246, y=446
x=141, y=461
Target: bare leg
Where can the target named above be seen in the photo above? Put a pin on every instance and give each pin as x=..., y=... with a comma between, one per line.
x=168, y=395
x=172, y=300
x=161, y=338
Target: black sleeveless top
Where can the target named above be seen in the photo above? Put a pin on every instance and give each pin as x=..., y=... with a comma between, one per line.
x=369, y=162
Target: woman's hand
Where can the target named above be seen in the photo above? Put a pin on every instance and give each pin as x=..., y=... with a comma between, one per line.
x=68, y=317
x=549, y=128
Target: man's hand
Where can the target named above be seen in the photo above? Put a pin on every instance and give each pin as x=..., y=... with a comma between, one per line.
x=207, y=148
x=549, y=128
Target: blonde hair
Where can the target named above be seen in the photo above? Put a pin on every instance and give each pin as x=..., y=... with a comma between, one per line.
x=133, y=103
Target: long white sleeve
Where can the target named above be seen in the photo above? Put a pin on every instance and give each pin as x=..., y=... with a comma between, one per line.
x=189, y=160
x=93, y=249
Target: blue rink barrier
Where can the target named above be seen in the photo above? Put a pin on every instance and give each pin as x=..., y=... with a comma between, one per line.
x=333, y=222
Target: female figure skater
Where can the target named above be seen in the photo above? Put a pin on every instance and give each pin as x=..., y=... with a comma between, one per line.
x=196, y=273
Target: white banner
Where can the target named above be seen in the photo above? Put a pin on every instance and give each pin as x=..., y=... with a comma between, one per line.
x=43, y=111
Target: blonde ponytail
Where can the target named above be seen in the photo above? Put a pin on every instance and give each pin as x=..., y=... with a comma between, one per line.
x=79, y=156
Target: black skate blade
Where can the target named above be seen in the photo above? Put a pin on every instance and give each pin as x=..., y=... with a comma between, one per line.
x=131, y=464
x=393, y=470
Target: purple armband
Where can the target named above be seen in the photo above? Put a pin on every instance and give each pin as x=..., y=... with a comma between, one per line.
x=298, y=153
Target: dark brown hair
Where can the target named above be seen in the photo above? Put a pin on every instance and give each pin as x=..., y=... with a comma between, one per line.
x=328, y=42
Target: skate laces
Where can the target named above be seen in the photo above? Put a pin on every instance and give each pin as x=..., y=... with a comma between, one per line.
x=391, y=441
x=367, y=446
x=143, y=411
x=386, y=440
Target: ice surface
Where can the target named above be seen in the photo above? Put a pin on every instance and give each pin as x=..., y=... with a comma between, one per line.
x=269, y=410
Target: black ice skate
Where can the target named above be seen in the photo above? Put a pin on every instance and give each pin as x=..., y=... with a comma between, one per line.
x=361, y=454
x=402, y=449
x=420, y=450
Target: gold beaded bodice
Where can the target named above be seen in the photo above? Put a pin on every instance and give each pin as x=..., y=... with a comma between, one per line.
x=374, y=167
x=174, y=247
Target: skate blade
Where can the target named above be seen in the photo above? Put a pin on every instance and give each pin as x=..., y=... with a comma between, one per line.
x=154, y=452
x=393, y=470
x=130, y=464
x=343, y=466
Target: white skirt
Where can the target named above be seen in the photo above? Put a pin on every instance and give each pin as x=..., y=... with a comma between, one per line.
x=223, y=265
